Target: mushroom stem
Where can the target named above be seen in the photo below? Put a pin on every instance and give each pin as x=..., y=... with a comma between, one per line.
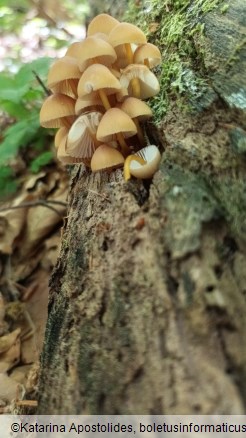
x=139, y=133
x=129, y=53
x=121, y=140
x=104, y=99
x=127, y=173
x=135, y=81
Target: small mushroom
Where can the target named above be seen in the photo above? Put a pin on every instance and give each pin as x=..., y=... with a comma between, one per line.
x=57, y=110
x=143, y=164
x=64, y=75
x=125, y=34
x=102, y=23
x=92, y=50
x=106, y=157
x=81, y=139
x=138, y=111
x=147, y=54
x=62, y=155
x=98, y=80
x=147, y=85
x=116, y=123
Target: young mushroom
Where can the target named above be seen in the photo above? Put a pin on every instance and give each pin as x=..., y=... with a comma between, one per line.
x=60, y=144
x=138, y=111
x=116, y=123
x=57, y=110
x=147, y=54
x=98, y=80
x=91, y=51
x=106, y=158
x=63, y=76
x=143, y=164
x=148, y=84
x=102, y=23
x=81, y=139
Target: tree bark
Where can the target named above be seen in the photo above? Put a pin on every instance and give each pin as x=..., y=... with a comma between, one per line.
x=147, y=311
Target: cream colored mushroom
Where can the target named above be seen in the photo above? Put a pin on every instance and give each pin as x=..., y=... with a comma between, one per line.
x=92, y=50
x=64, y=75
x=147, y=54
x=116, y=123
x=102, y=23
x=147, y=85
x=143, y=164
x=106, y=158
x=138, y=111
x=98, y=80
x=81, y=139
x=57, y=110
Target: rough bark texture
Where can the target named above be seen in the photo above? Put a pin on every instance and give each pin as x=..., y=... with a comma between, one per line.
x=147, y=309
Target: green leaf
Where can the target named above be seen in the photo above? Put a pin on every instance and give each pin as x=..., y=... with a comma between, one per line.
x=40, y=66
x=41, y=161
x=16, y=110
x=16, y=136
x=7, y=183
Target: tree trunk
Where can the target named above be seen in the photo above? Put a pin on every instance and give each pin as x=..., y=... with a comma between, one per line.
x=147, y=311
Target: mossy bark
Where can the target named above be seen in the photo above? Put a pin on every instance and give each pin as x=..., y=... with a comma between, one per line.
x=147, y=311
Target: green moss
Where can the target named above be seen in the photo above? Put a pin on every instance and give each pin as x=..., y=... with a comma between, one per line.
x=173, y=26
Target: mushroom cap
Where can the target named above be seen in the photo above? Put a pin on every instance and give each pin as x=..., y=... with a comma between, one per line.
x=61, y=133
x=136, y=108
x=62, y=154
x=64, y=75
x=106, y=157
x=103, y=23
x=92, y=48
x=152, y=156
x=55, y=108
x=81, y=139
x=87, y=102
x=147, y=51
x=97, y=77
x=126, y=33
x=149, y=85
x=113, y=122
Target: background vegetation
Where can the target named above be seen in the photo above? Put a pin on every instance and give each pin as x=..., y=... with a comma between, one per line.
x=32, y=36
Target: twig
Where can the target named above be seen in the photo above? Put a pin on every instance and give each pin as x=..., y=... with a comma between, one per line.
x=36, y=204
x=47, y=92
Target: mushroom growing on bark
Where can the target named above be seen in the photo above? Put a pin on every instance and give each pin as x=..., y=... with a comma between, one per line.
x=98, y=90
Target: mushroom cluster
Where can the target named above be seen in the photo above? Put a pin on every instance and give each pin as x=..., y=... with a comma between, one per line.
x=96, y=101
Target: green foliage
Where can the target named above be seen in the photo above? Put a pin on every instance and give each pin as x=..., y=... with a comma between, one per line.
x=41, y=160
x=21, y=97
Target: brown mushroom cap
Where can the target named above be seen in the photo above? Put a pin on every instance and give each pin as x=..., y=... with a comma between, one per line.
x=92, y=48
x=61, y=133
x=81, y=139
x=152, y=156
x=106, y=157
x=103, y=23
x=136, y=108
x=88, y=102
x=56, y=109
x=148, y=52
x=149, y=85
x=64, y=75
x=62, y=154
x=115, y=121
x=97, y=77
x=126, y=33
